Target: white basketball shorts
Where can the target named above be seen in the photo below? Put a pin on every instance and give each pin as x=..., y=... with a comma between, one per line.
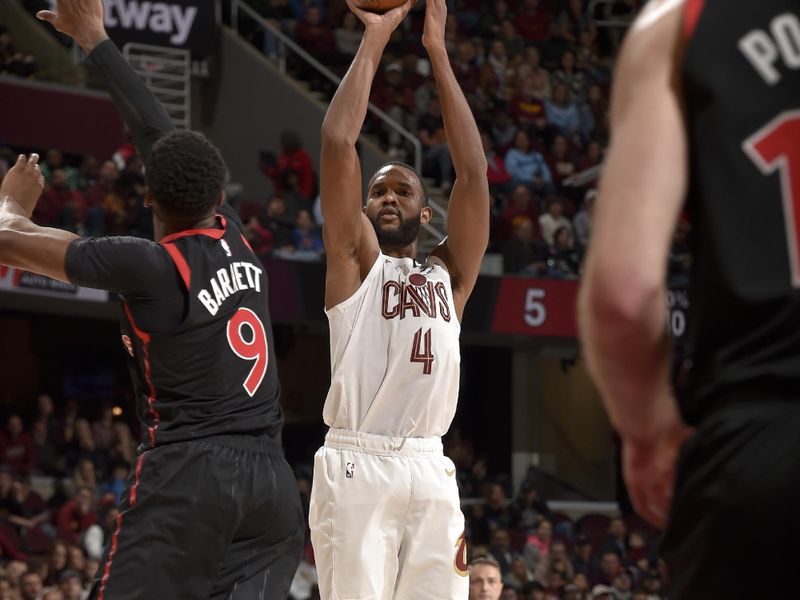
x=386, y=521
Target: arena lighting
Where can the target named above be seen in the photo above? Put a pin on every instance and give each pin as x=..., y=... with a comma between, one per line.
x=116, y=411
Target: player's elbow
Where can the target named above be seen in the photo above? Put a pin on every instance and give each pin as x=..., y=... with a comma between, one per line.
x=333, y=137
x=613, y=298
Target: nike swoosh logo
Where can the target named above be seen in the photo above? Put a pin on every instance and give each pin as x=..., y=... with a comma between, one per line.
x=449, y=472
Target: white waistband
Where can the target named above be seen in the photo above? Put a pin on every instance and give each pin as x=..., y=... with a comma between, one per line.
x=371, y=443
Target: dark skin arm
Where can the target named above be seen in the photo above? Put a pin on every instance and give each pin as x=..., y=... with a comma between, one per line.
x=350, y=240
x=468, y=211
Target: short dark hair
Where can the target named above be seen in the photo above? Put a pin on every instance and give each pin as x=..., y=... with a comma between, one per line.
x=408, y=167
x=185, y=174
x=485, y=560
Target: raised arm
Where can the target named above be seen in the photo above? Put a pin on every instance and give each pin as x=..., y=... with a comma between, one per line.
x=468, y=212
x=22, y=244
x=622, y=305
x=82, y=20
x=350, y=241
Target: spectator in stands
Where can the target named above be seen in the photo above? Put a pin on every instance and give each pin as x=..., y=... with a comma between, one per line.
x=485, y=579
x=52, y=594
x=509, y=593
x=527, y=106
x=13, y=62
x=501, y=550
x=6, y=589
x=571, y=76
x=563, y=113
x=523, y=254
x=559, y=559
x=497, y=510
x=560, y=161
x=54, y=160
x=616, y=537
x=583, y=220
x=522, y=204
x=124, y=449
x=519, y=575
x=16, y=447
x=30, y=586
x=103, y=186
x=293, y=158
x=70, y=583
x=278, y=223
x=581, y=584
x=533, y=21
x=48, y=457
x=76, y=559
x=563, y=261
x=495, y=70
x=85, y=475
x=528, y=508
x=56, y=562
x=45, y=412
x=553, y=220
x=504, y=130
x=527, y=166
x=75, y=517
x=28, y=513
x=583, y=561
x=465, y=67
x=537, y=546
x=259, y=237
x=478, y=530
x=103, y=428
x=82, y=446
x=315, y=36
x=306, y=238
x=500, y=181
x=610, y=567
x=434, y=144
x=348, y=35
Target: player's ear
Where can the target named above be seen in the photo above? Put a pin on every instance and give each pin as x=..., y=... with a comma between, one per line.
x=426, y=214
x=221, y=200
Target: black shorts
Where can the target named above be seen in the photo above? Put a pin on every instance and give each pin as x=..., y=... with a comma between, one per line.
x=217, y=518
x=735, y=523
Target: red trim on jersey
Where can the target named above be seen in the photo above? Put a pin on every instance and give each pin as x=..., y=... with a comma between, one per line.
x=145, y=339
x=212, y=233
x=246, y=243
x=115, y=537
x=691, y=16
x=180, y=264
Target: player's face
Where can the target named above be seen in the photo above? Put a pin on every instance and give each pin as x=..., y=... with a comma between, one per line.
x=485, y=583
x=395, y=207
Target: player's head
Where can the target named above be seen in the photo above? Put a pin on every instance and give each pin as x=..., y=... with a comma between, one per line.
x=485, y=579
x=185, y=176
x=397, y=205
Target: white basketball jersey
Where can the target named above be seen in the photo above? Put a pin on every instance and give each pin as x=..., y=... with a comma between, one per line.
x=395, y=355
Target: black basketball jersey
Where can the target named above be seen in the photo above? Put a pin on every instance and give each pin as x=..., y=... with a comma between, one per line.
x=741, y=77
x=214, y=373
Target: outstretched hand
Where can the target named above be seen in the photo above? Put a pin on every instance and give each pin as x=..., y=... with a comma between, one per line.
x=24, y=183
x=82, y=20
x=435, y=23
x=384, y=23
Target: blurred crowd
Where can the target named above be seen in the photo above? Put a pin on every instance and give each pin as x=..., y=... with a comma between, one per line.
x=12, y=61
x=64, y=465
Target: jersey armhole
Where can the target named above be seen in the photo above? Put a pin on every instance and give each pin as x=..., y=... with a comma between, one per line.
x=344, y=304
x=691, y=17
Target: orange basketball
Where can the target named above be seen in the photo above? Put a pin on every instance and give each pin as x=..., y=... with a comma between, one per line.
x=379, y=6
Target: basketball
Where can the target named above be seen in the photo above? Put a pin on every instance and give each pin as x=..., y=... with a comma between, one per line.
x=379, y=6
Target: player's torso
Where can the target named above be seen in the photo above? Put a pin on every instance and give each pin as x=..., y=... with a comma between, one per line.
x=741, y=80
x=216, y=372
x=395, y=355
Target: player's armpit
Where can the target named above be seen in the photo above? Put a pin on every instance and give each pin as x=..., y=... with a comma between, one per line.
x=41, y=250
x=467, y=236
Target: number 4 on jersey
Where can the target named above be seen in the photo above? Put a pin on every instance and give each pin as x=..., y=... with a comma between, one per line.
x=253, y=348
x=776, y=147
x=418, y=355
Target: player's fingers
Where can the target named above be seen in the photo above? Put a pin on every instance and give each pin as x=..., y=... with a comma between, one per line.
x=21, y=161
x=33, y=160
x=47, y=15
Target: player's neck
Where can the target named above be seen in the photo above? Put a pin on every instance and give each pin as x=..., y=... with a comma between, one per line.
x=205, y=223
x=409, y=251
